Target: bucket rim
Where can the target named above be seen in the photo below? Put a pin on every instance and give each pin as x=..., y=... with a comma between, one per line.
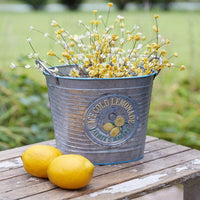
x=90, y=78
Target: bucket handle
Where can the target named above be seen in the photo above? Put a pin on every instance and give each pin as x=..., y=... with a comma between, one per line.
x=44, y=68
x=156, y=73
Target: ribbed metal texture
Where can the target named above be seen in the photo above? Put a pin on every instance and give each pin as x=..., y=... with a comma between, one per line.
x=70, y=99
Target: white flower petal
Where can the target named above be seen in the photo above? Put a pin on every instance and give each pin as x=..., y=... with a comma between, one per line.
x=80, y=22
x=28, y=39
x=30, y=55
x=27, y=66
x=46, y=35
x=31, y=28
x=53, y=22
x=136, y=27
x=12, y=65
x=139, y=46
x=36, y=55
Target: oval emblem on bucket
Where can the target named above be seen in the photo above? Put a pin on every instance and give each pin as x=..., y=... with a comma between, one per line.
x=111, y=120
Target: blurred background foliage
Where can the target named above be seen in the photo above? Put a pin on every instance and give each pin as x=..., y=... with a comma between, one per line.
x=25, y=115
x=120, y=4
x=24, y=111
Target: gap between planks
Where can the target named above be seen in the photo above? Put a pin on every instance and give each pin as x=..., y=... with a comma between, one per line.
x=109, y=180
x=151, y=183
x=10, y=159
x=153, y=144
x=102, y=175
x=16, y=152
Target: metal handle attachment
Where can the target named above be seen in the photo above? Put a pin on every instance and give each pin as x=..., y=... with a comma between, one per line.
x=45, y=68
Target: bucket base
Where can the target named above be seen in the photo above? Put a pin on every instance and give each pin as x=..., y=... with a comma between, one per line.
x=112, y=156
x=115, y=163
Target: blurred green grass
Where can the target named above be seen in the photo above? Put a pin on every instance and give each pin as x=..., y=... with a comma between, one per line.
x=180, y=27
x=175, y=106
x=24, y=113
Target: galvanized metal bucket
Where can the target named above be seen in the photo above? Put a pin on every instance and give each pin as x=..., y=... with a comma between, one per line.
x=104, y=120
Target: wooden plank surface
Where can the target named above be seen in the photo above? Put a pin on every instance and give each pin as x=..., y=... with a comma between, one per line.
x=164, y=164
x=16, y=152
x=145, y=184
x=102, y=178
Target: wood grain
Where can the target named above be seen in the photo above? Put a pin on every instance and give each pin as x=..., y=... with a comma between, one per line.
x=164, y=164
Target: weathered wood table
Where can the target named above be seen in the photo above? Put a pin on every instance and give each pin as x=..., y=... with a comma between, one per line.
x=164, y=164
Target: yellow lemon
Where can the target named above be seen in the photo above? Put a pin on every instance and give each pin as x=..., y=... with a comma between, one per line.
x=37, y=158
x=70, y=171
x=114, y=132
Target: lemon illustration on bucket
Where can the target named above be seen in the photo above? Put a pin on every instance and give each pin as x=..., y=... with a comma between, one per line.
x=119, y=121
x=108, y=126
x=114, y=128
x=114, y=132
x=111, y=120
